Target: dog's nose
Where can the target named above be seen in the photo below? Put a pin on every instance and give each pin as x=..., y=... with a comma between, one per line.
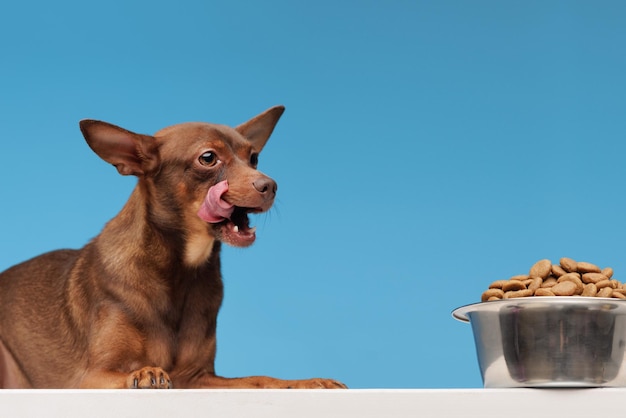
x=266, y=186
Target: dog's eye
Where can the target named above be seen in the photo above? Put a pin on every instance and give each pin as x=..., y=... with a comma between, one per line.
x=208, y=159
x=254, y=160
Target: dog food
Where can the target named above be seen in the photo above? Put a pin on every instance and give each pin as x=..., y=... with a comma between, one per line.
x=568, y=278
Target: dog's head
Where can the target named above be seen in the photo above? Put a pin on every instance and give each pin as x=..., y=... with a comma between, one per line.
x=199, y=178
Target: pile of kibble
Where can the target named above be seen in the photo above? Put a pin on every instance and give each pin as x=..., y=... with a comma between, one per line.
x=568, y=278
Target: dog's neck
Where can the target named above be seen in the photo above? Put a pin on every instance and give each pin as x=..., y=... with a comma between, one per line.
x=136, y=237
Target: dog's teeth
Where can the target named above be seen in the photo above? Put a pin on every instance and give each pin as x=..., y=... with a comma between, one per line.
x=236, y=228
x=252, y=230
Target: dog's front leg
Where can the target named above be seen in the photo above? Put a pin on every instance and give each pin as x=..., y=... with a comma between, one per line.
x=264, y=382
x=120, y=356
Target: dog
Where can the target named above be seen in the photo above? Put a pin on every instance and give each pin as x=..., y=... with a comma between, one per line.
x=137, y=306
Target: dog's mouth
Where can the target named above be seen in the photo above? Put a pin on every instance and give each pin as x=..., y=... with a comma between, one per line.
x=236, y=231
x=229, y=221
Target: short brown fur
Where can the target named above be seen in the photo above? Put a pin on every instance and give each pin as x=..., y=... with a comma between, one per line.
x=137, y=306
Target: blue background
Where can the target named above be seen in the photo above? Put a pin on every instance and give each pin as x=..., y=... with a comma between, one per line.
x=428, y=148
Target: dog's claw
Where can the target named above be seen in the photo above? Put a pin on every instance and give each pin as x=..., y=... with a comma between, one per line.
x=150, y=378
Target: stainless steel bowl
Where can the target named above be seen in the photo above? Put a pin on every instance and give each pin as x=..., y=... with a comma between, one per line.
x=565, y=341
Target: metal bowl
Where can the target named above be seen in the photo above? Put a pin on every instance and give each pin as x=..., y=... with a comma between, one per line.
x=565, y=341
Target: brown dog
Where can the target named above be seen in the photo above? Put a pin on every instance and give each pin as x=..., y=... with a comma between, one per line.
x=137, y=306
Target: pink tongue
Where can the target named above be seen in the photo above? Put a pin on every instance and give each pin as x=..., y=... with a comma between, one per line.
x=215, y=209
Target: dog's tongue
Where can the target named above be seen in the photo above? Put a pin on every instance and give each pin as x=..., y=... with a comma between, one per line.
x=215, y=209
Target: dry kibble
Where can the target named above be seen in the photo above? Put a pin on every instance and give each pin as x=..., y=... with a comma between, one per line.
x=590, y=290
x=593, y=277
x=492, y=293
x=544, y=292
x=568, y=265
x=568, y=278
x=574, y=278
x=541, y=268
x=513, y=285
x=604, y=283
x=549, y=282
x=557, y=270
x=535, y=284
x=497, y=284
x=607, y=271
x=565, y=288
x=517, y=294
x=584, y=267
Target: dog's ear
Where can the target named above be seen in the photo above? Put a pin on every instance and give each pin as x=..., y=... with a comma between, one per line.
x=258, y=129
x=129, y=152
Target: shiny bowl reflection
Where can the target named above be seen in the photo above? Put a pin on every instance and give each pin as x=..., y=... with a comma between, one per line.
x=549, y=341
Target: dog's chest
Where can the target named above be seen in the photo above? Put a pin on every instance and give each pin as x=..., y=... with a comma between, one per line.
x=198, y=248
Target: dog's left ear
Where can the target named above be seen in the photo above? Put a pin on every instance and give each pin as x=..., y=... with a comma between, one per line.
x=258, y=129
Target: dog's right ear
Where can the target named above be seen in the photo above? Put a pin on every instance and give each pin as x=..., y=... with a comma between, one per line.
x=129, y=152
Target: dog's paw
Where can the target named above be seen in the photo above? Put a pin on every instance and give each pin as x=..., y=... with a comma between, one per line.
x=316, y=384
x=149, y=378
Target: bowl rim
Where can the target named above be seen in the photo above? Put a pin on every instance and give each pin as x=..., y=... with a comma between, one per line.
x=462, y=313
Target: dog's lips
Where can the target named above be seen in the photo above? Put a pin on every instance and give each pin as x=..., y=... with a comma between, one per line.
x=236, y=231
